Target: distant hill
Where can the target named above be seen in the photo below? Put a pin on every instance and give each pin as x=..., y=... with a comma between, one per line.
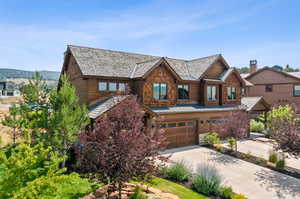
x=15, y=73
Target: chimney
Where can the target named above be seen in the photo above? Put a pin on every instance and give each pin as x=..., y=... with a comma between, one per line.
x=253, y=66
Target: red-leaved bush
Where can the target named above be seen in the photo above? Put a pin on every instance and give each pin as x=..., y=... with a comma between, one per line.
x=121, y=147
x=234, y=126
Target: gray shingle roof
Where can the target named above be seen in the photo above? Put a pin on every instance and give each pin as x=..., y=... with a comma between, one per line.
x=250, y=102
x=100, y=62
x=103, y=106
x=191, y=108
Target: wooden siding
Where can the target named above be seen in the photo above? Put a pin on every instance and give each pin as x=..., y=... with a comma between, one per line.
x=160, y=75
x=232, y=80
x=215, y=70
x=75, y=78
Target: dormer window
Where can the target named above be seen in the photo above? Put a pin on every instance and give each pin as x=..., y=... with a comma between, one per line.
x=159, y=91
x=211, y=93
x=231, y=93
x=183, y=91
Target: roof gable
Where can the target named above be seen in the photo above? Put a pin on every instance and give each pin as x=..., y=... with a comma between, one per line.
x=261, y=76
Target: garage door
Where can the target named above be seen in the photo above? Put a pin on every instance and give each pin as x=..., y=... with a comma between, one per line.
x=180, y=133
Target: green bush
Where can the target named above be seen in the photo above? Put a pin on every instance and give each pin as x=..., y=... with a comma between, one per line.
x=138, y=194
x=273, y=157
x=61, y=186
x=212, y=138
x=207, y=180
x=260, y=160
x=225, y=192
x=231, y=142
x=178, y=172
x=33, y=172
x=256, y=126
x=280, y=164
x=239, y=196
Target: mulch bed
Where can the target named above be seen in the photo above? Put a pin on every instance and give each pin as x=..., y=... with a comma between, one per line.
x=293, y=172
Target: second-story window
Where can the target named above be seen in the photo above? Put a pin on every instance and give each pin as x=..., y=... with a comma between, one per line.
x=243, y=91
x=121, y=86
x=269, y=88
x=102, y=86
x=231, y=93
x=211, y=92
x=112, y=86
x=160, y=91
x=183, y=91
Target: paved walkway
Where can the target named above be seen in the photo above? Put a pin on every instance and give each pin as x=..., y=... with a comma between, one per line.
x=261, y=149
x=253, y=181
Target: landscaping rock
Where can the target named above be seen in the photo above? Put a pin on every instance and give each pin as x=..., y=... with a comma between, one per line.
x=90, y=196
x=102, y=192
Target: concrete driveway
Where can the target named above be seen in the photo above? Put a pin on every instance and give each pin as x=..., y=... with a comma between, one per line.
x=261, y=149
x=253, y=181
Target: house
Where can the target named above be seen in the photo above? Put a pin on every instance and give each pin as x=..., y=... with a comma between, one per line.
x=187, y=96
x=275, y=86
x=8, y=88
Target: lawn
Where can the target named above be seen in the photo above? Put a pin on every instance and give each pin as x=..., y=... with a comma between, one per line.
x=176, y=189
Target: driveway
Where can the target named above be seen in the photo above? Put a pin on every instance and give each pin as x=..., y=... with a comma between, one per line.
x=261, y=149
x=253, y=181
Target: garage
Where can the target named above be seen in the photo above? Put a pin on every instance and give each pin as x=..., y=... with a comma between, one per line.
x=180, y=133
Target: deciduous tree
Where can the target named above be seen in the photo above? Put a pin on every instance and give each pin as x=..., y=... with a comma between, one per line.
x=121, y=147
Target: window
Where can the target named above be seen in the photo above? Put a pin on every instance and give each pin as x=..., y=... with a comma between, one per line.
x=121, y=87
x=212, y=92
x=163, y=125
x=231, y=93
x=191, y=123
x=181, y=123
x=102, y=86
x=243, y=91
x=160, y=91
x=112, y=86
x=269, y=88
x=183, y=91
x=296, y=90
x=170, y=125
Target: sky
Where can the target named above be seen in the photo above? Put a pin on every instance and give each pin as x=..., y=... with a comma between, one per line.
x=34, y=34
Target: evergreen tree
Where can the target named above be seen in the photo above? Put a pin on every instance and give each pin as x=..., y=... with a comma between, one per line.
x=68, y=117
x=14, y=121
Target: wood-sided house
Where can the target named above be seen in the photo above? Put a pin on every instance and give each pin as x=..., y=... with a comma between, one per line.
x=186, y=95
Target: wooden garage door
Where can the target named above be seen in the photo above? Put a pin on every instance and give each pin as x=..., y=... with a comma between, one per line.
x=180, y=133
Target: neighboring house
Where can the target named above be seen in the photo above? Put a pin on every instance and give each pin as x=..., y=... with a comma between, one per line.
x=275, y=86
x=8, y=88
x=186, y=95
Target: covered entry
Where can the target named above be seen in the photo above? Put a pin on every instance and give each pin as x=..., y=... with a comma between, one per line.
x=180, y=133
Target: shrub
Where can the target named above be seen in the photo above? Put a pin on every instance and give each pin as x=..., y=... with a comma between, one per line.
x=273, y=157
x=232, y=142
x=207, y=180
x=225, y=192
x=260, y=160
x=60, y=186
x=280, y=164
x=219, y=147
x=256, y=126
x=212, y=138
x=138, y=194
x=239, y=196
x=178, y=172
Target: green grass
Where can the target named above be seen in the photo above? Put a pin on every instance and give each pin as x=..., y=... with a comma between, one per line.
x=174, y=188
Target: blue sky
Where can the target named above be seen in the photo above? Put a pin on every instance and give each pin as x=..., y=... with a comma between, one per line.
x=34, y=34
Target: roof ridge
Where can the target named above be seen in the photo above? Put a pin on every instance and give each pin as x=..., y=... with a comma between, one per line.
x=119, y=51
x=204, y=57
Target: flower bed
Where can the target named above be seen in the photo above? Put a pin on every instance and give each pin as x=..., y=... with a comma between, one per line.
x=256, y=160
